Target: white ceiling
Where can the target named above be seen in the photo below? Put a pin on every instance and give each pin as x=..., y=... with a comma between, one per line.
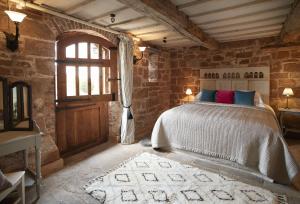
x=224, y=20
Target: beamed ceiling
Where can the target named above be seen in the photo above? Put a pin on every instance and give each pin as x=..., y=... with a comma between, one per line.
x=211, y=21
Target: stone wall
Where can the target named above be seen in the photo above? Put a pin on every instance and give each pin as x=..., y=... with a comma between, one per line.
x=34, y=63
x=284, y=65
x=151, y=92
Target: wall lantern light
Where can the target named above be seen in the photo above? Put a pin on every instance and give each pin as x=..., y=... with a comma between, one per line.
x=12, y=41
x=135, y=58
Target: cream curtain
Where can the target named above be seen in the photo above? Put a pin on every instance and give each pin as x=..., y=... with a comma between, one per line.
x=126, y=72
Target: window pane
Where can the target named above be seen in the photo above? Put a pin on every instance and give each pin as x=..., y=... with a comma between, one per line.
x=82, y=50
x=83, y=81
x=71, y=80
x=105, y=53
x=94, y=50
x=105, y=77
x=70, y=51
x=95, y=82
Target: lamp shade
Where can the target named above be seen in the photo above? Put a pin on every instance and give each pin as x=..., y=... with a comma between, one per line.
x=15, y=16
x=188, y=92
x=142, y=49
x=288, y=92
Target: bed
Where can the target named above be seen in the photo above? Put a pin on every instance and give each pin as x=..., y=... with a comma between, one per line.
x=247, y=135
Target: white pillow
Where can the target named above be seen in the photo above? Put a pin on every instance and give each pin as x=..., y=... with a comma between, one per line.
x=258, y=101
x=198, y=96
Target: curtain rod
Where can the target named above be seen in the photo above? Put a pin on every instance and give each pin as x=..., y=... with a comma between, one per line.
x=61, y=15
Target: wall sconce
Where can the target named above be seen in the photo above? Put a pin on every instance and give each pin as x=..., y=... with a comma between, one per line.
x=135, y=59
x=12, y=41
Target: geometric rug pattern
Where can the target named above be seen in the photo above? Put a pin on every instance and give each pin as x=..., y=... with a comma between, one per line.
x=148, y=178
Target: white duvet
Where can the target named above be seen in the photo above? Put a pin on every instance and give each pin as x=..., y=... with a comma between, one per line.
x=247, y=135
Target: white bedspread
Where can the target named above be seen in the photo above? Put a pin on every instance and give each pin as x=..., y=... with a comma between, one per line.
x=249, y=136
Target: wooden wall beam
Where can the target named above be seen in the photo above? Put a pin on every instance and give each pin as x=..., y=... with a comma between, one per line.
x=168, y=14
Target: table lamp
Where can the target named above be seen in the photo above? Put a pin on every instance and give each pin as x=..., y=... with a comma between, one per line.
x=188, y=92
x=287, y=92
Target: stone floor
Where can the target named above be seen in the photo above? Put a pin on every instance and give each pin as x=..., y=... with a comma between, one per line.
x=65, y=186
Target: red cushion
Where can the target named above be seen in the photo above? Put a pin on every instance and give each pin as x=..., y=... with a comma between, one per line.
x=225, y=97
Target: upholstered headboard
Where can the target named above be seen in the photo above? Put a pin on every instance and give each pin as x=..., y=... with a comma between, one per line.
x=249, y=78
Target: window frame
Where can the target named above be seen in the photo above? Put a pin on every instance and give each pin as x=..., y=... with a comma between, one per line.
x=74, y=38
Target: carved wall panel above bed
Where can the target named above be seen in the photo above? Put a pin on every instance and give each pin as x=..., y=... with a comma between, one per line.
x=250, y=78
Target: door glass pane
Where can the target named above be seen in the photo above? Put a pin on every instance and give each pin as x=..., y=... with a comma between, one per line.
x=82, y=50
x=83, y=81
x=105, y=53
x=70, y=51
x=25, y=102
x=95, y=82
x=94, y=50
x=105, y=77
x=15, y=103
x=71, y=80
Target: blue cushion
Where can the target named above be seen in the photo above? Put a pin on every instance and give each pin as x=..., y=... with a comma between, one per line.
x=208, y=95
x=244, y=97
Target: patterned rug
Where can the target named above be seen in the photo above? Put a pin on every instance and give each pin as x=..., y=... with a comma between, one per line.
x=148, y=178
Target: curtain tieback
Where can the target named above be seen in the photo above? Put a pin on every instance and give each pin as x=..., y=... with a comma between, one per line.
x=129, y=114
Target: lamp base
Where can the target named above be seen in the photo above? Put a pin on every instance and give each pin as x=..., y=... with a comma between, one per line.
x=287, y=103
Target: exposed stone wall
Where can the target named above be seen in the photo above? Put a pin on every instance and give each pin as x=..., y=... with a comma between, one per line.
x=284, y=65
x=151, y=93
x=150, y=97
x=34, y=63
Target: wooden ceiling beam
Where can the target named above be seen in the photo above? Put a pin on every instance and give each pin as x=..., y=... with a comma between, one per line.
x=77, y=7
x=144, y=27
x=167, y=13
x=228, y=8
x=192, y=3
x=152, y=32
x=249, y=33
x=251, y=36
x=223, y=20
x=99, y=17
x=127, y=21
x=252, y=29
x=244, y=23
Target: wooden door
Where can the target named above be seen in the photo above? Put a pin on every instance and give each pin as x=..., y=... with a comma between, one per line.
x=85, y=66
x=81, y=126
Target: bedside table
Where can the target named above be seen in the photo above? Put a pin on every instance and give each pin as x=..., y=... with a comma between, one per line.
x=290, y=111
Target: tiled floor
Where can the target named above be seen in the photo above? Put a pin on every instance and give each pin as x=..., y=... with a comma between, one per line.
x=65, y=186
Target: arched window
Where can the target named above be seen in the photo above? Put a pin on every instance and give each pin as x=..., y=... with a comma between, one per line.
x=85, y=65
